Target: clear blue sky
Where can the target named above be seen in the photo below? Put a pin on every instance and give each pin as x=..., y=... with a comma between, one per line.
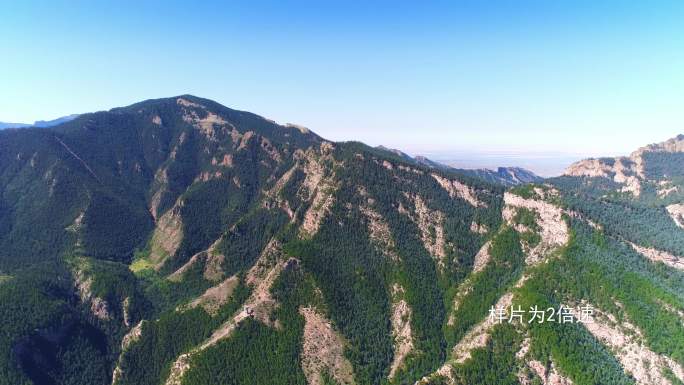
x=584, y=77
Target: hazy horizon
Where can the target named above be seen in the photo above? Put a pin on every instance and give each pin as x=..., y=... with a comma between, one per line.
x=583, y=77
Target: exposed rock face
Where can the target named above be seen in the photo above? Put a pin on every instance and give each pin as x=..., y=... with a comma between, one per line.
x=482, y=258
x=167, y=236
x=131, y=337
x=464, y=289
x=675, y=144
x=475, y=338
x=323, y=350
x=379, y=230
x=401, y=329
x=273, y=198
x=98, y=306
x=478, y=336
x=621, y=170
x=577, y=215
x=205, y=124
x=554, y=233
x=457, y=189
x=539, y=372
x=672, y=309
x=216, y=296
x=76, y=227
x=212, y=260
x=676, y=212
x=628, y=171
x=431, y=225
x=626, y=342
x=318, y=187
x=590, y=168
x=548, y=377
x=259, y=306
x=660, y=256
x=300, y=128
x=478, y=228
x=268, y=258
x=553, y=229
x=505, y=176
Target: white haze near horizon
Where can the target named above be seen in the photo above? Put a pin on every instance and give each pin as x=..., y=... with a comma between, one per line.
x=543, y=163
x=548, y=164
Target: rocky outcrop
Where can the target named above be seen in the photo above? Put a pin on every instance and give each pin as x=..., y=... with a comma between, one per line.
x=482, y=257
x=675, y=144
x=83, y=282
x=475, y=338
x=456, y=189
x=206, y=123
x=167, y=236
x=258, y=306
x=323, y=350
x=589, y=168
x=401, y=329
x=553, y=229
x=478, y=228
x=213, y=264
x=627, y=344
x=215, y=297
x=272, y=196
x=554, y=233
x=676, y=212
x=547, y=376
x=660, y=256
x=318, y=188
x=478, y=336
x=628, y=171
x=131, y=337
x=665, y=188
x=431, y=225
x=378, y=229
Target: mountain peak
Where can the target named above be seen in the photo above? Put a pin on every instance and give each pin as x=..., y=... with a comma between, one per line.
x=642, y=167
x=675, y=144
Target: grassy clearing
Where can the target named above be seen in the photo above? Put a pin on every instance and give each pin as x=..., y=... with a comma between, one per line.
x=141, y=264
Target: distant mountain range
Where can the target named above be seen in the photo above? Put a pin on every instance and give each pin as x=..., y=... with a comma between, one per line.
x=39, y=123
x=506, y=176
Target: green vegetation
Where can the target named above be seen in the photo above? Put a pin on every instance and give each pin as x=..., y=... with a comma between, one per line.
x=97, y=186
x=645, y=225
x=40, y=325
x=525, y=190
x=597, y=269
x=574, y=350
x=240, y=359
x=148, y=360
x=490, y=284
x=494, y=364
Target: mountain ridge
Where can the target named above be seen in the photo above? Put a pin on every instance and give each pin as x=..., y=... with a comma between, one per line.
x=506, y=176
x=40, y=123
x=178, y=241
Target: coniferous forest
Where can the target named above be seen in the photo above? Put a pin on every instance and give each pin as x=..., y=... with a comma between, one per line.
x=177, y=241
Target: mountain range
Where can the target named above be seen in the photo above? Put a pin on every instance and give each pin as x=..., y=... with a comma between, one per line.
x=39, y=123
x=506, y=176
x=178, y=241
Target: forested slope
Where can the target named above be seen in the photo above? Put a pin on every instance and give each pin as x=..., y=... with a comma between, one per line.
x=177, y=241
